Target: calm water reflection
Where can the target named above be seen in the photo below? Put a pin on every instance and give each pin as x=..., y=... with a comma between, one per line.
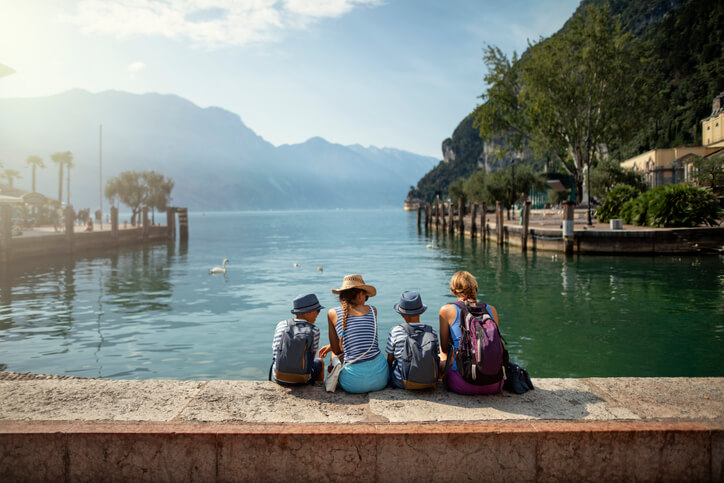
x=154, y=312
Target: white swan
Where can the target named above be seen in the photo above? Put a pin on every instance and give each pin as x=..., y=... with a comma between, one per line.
x=221, y=269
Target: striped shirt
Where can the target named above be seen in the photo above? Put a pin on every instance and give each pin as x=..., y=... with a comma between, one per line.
x=281, y=327
x=395, y=343
x=358, y=337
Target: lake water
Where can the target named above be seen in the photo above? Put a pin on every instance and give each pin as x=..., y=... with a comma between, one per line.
x=155, y=312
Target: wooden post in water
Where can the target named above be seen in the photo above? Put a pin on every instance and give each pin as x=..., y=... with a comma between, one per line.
x=567, y=232
x=461, y=217
x=419, y=215
x=69, y=215
x=473, y=226
x=483, y=223
x=526, y=220
x=6, y=233
x=114, y=224
x=183, y=223
x=171, y=223
x=499, y=221
x=442, y=210
x=428, y=215
x=451, y=220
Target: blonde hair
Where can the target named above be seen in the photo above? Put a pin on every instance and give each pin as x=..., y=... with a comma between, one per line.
x=464, y=284
x=346, y=296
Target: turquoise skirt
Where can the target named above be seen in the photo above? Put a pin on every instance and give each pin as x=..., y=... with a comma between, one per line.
x=365, y=376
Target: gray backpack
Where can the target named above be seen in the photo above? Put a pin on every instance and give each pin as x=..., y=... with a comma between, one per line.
x=420, y=361
x=295, y=357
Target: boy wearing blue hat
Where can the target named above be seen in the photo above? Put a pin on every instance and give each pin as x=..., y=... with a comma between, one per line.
x=413, y=347
x=295, y=344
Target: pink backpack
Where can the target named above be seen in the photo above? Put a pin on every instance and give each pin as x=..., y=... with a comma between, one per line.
x=481, y=356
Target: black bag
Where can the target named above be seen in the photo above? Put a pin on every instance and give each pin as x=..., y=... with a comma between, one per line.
x=517, y=380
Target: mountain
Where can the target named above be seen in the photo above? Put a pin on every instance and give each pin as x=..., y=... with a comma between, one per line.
x=683, y=39
x=216, y=161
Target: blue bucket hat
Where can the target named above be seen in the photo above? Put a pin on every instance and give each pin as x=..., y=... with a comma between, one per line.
x=306, y=303
x=410, y=303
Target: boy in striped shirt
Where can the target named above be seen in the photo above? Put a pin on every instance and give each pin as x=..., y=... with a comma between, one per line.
x=306, y=308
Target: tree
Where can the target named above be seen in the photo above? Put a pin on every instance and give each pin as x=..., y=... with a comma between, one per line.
x=709, y=170
x=69, y=164
x=607, y=174
x=112, y=191
x=34, y=162
x=61, y=159
x=136, y=189
x=571, y=95
x=474, y=186
x=10, y=175
x=159, y=191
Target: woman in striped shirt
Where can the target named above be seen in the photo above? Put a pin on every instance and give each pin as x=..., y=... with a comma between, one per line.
x=353, y=338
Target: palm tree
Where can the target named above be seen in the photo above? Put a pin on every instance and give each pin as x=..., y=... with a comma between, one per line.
x=10, y=175
x=61, y=159
x=70, y=165
x=34, y=162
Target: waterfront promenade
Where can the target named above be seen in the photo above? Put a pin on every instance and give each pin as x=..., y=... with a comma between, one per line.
x=545, y=231
x=59, y=428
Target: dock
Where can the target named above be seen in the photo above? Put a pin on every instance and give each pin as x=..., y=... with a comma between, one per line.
x=566, y=230
x=70, y=238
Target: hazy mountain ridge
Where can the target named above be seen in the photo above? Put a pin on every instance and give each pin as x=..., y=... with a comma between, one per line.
x=216, y=161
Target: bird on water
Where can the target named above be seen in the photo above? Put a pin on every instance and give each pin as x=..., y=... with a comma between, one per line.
x=221, y=269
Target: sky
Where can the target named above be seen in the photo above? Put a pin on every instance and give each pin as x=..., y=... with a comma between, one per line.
x=388, y=73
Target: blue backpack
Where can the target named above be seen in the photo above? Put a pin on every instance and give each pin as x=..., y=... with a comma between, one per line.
x=420, y=361
x=295, y=357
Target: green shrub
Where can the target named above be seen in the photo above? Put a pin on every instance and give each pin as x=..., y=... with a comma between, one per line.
x=614, y=202
x=672, y=205
x=682, y=205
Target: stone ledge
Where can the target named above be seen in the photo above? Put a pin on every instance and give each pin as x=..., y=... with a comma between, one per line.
x=619, y=429
x=593, y=399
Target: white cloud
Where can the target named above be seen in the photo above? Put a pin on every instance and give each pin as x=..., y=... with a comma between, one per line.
x=136, y=66
x=209, y=23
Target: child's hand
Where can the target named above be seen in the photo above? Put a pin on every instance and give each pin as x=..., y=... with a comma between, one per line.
x=323, y=351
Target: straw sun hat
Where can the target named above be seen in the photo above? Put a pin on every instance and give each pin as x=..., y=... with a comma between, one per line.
x=355, y=281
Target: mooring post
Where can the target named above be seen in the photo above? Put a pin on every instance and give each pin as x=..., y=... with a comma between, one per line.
x=451, y=218
x=69, y=215
x=499, y=221
x=483, y=223
x=114, y=224
x=419, y=215
x=526, y=220
x=568, y=232
x=171, y=223
x=442, y=210
x=473, y=225
x=6, y=233
x=183, y=224
x=461, y=217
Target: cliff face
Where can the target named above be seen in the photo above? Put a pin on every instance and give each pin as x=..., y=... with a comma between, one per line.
x=684, y=39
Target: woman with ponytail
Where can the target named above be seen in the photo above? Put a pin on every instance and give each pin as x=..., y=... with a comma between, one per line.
x=353, y=338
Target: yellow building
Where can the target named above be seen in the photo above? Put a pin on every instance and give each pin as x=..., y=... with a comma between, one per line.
x=674, y=165
x=712, y=128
